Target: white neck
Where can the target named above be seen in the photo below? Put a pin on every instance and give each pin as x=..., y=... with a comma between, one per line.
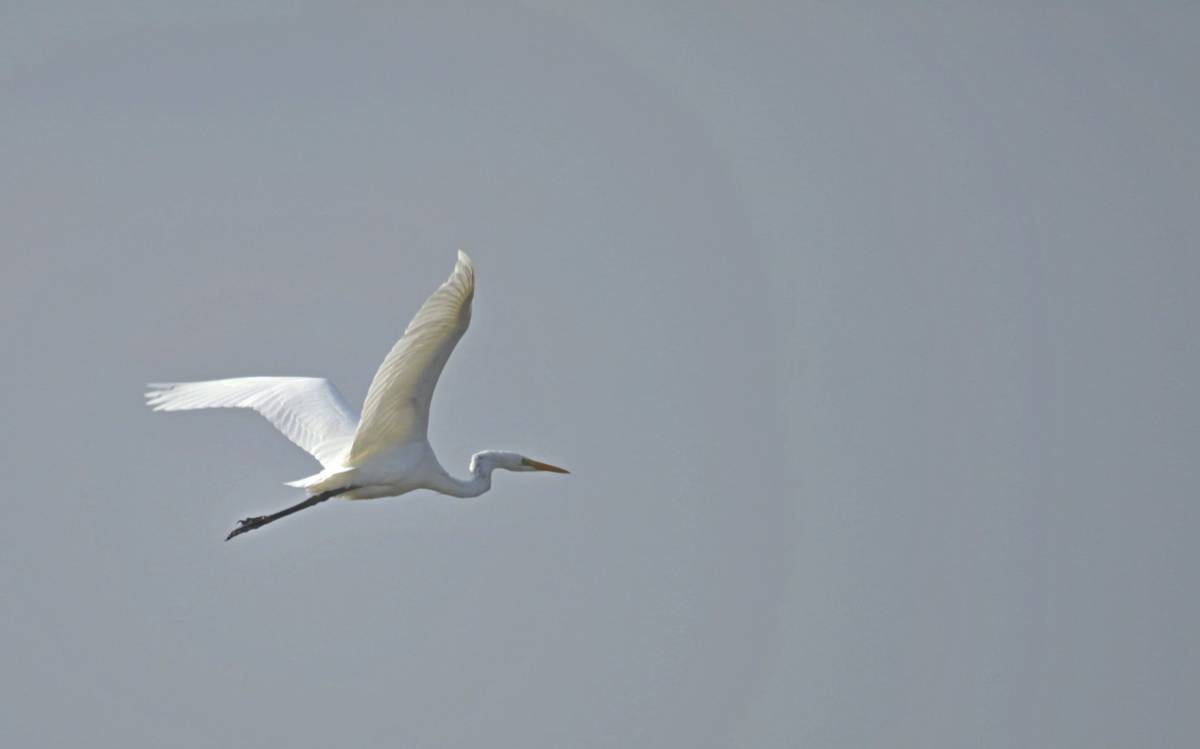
x=479, y=482
x=482, y=465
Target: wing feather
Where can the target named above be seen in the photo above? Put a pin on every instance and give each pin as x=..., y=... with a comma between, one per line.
x=308, y=410
x=396, y=410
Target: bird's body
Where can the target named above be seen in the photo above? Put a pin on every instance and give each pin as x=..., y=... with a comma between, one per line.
x=385, y=451
x=385, y=474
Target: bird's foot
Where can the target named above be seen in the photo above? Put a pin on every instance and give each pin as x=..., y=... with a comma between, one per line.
x=248, y=524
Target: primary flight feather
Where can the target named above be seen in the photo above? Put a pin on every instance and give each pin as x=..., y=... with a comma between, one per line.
x=385, y=451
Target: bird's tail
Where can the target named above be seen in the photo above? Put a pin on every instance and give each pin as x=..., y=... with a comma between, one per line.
x=325, y=480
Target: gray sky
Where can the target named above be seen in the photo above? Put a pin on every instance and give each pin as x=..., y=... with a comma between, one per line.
x=868, y=335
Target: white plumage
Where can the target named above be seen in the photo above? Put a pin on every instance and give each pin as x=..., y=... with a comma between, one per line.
x=397, y=406
x=384, y=452
x=308, y=410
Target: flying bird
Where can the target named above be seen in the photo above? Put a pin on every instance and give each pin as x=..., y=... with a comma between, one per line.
x=385, y=451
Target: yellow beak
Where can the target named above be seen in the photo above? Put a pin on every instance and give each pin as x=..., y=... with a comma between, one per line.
x=544, y=466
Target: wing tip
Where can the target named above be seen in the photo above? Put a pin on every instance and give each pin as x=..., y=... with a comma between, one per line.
x=464, y=271
x=464, y=262
x=158, y=393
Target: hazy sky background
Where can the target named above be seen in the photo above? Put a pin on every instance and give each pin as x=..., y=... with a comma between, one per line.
x=869, y=336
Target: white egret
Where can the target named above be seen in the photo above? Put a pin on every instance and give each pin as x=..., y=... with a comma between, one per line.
x=386, y=451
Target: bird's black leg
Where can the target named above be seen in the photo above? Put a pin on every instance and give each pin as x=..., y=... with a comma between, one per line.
x=250, y=524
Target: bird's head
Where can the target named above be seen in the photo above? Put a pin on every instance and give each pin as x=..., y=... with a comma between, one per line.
x=488, y=460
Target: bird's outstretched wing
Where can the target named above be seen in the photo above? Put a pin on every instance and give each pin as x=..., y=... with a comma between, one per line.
x=397, y=407
x=308, y=410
